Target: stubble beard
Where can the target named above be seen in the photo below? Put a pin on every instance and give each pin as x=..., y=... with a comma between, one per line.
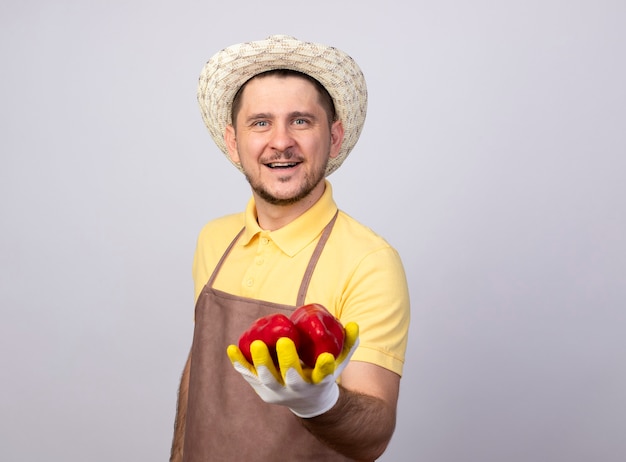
x=311, y=181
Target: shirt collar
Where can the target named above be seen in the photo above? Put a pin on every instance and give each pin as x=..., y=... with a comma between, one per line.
x=294, y=236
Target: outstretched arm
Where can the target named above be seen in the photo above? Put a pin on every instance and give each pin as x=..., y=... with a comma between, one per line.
x=178, y=441
x=361, y=423
x=356, y=419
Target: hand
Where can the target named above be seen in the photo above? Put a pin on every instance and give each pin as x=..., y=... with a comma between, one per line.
x=306, y=392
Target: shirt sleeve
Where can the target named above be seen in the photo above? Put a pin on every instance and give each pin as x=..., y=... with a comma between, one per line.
x=377, y=299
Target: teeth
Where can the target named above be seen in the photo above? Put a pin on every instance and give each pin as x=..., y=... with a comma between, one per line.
x=281, y=164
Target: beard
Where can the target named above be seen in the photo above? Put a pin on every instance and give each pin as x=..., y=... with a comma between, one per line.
x=311, y=180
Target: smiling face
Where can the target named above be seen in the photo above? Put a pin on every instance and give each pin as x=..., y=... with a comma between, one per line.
x=283, y=139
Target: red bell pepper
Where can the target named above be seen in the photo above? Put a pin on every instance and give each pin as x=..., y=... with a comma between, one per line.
x=269, y=329
x=320, y=332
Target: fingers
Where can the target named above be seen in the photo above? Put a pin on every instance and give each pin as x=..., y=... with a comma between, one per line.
x=352, y=335
x=263, y=366
x=350, y=343
x=261, y=357
x=236, y=357
x=324, y=366
x=288, y=357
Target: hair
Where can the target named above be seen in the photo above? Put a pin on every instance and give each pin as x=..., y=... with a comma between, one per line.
x=324, y=97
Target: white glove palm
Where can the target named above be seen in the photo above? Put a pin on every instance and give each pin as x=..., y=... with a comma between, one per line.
x=306, y=392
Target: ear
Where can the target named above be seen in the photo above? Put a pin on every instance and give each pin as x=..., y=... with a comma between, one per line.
x=231, y=143
x=336, y=138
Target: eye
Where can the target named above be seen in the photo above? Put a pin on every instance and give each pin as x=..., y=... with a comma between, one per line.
x=300, y=121
x=260, y=123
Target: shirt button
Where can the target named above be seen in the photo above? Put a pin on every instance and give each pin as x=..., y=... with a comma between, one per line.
x=260, y=261
x=250, y=282
x=265, y=241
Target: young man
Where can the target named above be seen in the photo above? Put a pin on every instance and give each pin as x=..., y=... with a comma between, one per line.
x=287, y=113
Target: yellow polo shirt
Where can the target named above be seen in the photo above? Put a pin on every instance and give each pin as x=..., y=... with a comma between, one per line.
x=359, y=276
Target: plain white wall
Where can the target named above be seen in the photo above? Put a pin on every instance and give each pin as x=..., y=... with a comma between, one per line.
x=492, y=158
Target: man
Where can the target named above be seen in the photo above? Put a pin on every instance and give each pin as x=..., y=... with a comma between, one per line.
x=287, y=113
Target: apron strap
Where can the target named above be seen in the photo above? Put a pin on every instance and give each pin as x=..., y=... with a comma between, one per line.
x=224, y=255
x=314, y=258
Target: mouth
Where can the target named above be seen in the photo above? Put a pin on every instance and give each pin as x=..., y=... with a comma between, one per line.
x=281, y=165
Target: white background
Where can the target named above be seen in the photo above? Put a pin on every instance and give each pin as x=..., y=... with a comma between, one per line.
x=493, y=159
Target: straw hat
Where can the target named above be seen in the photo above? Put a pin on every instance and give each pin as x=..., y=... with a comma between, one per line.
x=231, y=67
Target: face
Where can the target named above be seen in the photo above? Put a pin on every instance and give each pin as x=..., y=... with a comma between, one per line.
x=282, y=138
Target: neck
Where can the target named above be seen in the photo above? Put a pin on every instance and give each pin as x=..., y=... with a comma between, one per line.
x=272, y=217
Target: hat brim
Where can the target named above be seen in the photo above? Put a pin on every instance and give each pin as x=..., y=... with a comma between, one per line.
x=230, y=68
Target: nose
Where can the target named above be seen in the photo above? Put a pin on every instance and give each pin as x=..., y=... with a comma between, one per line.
x=281, y=137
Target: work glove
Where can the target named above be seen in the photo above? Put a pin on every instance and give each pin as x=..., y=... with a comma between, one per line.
x=306, y=392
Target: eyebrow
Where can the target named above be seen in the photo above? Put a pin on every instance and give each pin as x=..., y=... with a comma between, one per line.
x=291, y=115
x=297, y=114
x=260, y=115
